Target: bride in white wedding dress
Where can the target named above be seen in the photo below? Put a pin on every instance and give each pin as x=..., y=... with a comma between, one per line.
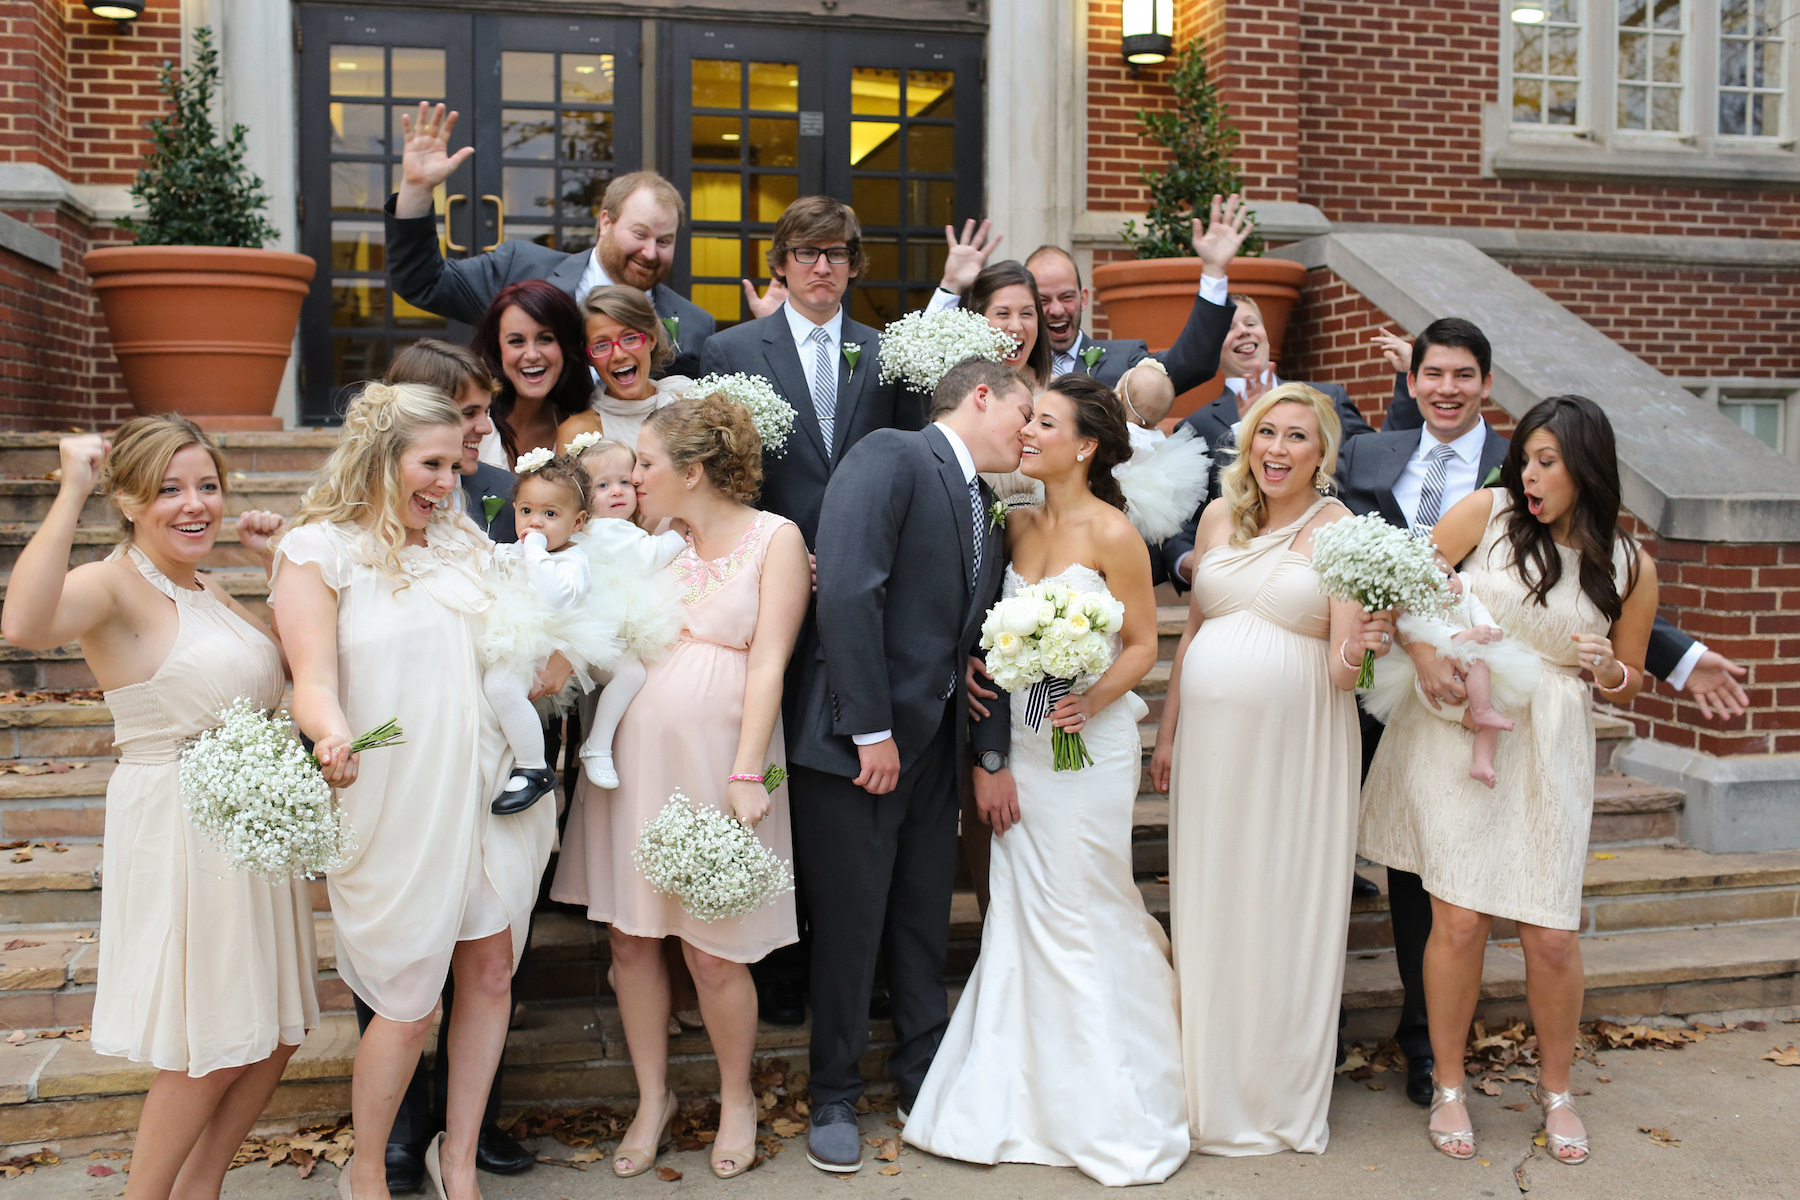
x=1065, y=1048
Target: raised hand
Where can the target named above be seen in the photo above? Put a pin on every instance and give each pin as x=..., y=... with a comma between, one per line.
x=1217, y=244
x=967, y=254
x=768, y=302
x=425, y=158
x=81, y=457
x=256, y=527
x=1397, y=350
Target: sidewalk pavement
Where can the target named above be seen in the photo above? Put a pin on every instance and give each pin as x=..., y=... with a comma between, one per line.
x=1730, y=1115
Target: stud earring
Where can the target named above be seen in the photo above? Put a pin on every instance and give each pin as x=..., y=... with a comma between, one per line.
x=1081, y=458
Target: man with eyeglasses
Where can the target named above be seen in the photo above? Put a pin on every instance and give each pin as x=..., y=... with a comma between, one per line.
x=634, y=244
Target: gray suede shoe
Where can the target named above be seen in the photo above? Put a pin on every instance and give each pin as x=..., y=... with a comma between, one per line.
x=834, y=1143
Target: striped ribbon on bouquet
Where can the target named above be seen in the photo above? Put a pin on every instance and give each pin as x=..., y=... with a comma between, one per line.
x=1042, y=698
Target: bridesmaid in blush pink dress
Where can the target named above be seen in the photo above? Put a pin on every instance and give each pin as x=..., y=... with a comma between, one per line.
x=708, y=711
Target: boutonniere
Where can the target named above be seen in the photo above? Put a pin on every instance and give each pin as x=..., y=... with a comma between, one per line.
x=852, y=352
x=997, y=512
x=1092, y=355
x=491, y=506
x=673, y=325
x=1493, y=477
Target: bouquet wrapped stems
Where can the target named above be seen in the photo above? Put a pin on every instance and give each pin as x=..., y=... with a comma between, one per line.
x=389, y=734
x=1068, y=751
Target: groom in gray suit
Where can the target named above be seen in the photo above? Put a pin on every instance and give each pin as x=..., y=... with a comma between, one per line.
x=910, y=558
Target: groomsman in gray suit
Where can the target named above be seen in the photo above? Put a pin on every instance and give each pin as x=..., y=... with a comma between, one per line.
x=910, y=558
x=634, y=243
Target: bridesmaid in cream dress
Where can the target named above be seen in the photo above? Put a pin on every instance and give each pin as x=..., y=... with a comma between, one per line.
x=377, y=592
x=1259, y=748
x=1546, y=555
x=205, y=973
x=707, y=722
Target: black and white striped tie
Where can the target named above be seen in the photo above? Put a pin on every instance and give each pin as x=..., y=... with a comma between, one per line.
x=979, y=514
x=824, y=385
x=1431, y=496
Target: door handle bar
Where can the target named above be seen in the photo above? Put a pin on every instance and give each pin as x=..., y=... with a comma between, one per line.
x=500, y=221
x=449, y=240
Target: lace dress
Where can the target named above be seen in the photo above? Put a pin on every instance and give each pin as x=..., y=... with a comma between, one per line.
x=1515, y=851
x=1064, y=1048
x=201, y=967
x=433, y=865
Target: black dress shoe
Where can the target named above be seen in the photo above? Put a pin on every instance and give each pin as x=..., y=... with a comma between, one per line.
x=881, y=1005
x=1362, y=887
x=1418, y=1079
x=781, y=1003
x=535, y=783
x=405, y=1167
x=498, y=1153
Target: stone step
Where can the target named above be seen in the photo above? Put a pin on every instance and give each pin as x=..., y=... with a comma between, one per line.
x=33, y=455
x=94, y=542
x=71, y=804
x=24, y=501
x=59, y=1088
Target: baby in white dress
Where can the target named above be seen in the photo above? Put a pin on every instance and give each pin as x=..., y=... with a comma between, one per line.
x=629, y=564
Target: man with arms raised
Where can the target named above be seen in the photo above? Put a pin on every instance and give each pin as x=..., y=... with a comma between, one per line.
x=634, y=244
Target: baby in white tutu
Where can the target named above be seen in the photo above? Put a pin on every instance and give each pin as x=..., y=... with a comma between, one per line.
x=544, y=602
x=629, y=564
x=1498, y=672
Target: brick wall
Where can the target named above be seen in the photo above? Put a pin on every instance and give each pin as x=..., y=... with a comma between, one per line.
x=33, y=82
x=112, y=88
x=56, y=366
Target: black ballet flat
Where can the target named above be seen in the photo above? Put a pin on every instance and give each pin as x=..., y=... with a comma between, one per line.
x=539, y=782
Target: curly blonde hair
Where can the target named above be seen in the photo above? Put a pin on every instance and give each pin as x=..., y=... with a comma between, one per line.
x=1244, y=497
x=362, y=476
x=717, y=433
x=141, y=452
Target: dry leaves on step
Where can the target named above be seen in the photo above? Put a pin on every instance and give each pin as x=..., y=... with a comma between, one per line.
x=890, y=1170
x=46, y=767
x=99, y=1171
x=1660, y=1137
x=25, y=1164
x=85, y=697
x=1756, y=1026
x=87, y=937
x=1490, y=1086
x=75, y=1033
x=886, y=1149
x=1784, y=1058
x=333, y=1141
x=668, y=1174
x=19, y=944
x=1516, y=1107
x=561, y=1162
x=1642, y=1037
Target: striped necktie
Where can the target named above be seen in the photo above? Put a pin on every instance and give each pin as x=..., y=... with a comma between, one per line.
x=978, y=512
x=824, y=387
x=1431, y=496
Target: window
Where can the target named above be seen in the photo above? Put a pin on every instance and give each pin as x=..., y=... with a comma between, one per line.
x=1766, y=409
x=1752, y=83
x=1646, y=89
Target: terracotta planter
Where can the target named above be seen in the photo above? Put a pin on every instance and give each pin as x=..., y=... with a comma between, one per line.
x=204, y=331
x=1151, y=299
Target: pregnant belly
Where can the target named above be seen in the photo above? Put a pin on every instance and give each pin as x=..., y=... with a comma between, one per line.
x=1244, y=660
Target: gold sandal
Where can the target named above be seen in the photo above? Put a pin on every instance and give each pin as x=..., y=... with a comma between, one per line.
x=741, y=1158
x=1442, y=1139
x=639, y=1159
x=1549, y=1102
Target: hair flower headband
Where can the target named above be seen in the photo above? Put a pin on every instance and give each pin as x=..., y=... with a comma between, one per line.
x=533, y=460
x=583, y=443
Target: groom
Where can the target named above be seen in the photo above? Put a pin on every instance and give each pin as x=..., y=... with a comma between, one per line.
x=909, y=561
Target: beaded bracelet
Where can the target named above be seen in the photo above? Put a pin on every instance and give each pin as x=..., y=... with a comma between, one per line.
x=744, y=779
x=1623, y=683
x=1354, y=666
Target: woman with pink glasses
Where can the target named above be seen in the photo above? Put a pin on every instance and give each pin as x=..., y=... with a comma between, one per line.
x=624, y=342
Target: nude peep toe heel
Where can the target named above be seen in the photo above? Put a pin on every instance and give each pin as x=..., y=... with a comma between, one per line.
x=631, y=1161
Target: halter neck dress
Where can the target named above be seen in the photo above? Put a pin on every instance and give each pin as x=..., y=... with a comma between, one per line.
x=202, y=967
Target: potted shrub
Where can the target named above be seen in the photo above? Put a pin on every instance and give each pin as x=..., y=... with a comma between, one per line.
x=201, y=316
x=1150, y=298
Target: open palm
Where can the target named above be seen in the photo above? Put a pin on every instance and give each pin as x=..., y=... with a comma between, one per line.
x=425, y=158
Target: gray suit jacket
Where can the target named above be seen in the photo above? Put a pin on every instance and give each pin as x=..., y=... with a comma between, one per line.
x=461, y=289
x=900, y=605
x=489, y=480
x=1117, y=356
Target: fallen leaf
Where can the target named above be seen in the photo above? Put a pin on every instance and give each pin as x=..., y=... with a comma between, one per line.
x=1756, y=1026
x=22, y=856
x=591, y=1154
x=896, y=1123
x=1489, y=1087
x=1484, y=1162
x=889, y=1149
x=1604, y=855
x=20, y=944
x=1660, y=1137
x=100, y=1172
x=562, y=1162
x=892, y=1170
x=1784, y=1058
x=668, y=1174
x=781, y=1127
x=87, y=937
x=1375, y=1087
x=1516, y=1107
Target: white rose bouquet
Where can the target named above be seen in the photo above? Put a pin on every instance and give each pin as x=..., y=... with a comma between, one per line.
x=249, y=785
x=1379, y=566
x=709, y=861
x=1052, y=640
x=920, y=348
x=773, y=416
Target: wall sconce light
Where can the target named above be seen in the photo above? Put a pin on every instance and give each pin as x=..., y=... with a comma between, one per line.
x=1528, y=12
x=1149, y=31
x=122, y=11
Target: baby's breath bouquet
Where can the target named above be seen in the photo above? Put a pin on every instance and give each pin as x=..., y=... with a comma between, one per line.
x=773, y=416
x=709, y=861
x=1052, y=640
x=1379, y=566
x=921, y=347
x=250, y=786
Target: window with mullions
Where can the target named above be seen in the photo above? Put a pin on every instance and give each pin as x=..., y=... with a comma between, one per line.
x=1752, y=54
x=902, y=183
x=556, y=146
x=1546, y=67
x=1652, y=65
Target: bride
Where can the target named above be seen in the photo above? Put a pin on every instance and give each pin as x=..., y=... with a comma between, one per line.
x=1064, y=1049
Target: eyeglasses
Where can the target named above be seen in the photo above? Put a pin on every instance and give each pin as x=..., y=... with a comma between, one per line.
x=837, y=256
x=602, y=349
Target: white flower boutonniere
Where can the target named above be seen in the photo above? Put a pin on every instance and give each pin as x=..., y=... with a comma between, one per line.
x=673, y=325
x=997, y=515
x=1092, y=355
x=852, y=352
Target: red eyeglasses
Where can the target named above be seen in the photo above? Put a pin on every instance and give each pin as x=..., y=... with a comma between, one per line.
x=602, y=349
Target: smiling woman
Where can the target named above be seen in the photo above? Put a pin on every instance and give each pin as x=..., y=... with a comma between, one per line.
x=530, y=338
x=625, y=343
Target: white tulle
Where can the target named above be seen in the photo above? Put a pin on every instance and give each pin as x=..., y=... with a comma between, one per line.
x=631, y=569
x=1515, y=670
x=1165, y=481
x=521, y=629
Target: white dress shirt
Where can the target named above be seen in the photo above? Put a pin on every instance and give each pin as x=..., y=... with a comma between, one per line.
x=1459, y=473
x=802, y=326
x=595, y=276
x=966, y=461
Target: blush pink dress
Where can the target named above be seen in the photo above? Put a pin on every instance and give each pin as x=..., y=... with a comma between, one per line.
x=681, y=734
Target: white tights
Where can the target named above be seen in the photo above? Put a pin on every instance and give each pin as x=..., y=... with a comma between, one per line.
x=627, y=680
x=519, y=721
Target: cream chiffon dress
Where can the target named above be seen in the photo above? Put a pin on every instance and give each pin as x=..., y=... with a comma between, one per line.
x=202, y=967
x=1262, y=839
x=433, y=865
x=1517, y=850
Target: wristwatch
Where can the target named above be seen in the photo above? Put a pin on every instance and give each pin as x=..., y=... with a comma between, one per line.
x=991, y=761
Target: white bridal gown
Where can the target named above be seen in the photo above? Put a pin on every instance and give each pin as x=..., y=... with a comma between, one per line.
x=1064, y=1049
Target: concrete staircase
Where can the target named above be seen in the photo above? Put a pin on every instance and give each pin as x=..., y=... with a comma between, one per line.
x=1666, y=930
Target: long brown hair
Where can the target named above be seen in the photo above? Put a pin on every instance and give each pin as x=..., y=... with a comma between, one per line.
x=1011, y=273
x=1584, y=437
x=552, y=308
x=1098, y=415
